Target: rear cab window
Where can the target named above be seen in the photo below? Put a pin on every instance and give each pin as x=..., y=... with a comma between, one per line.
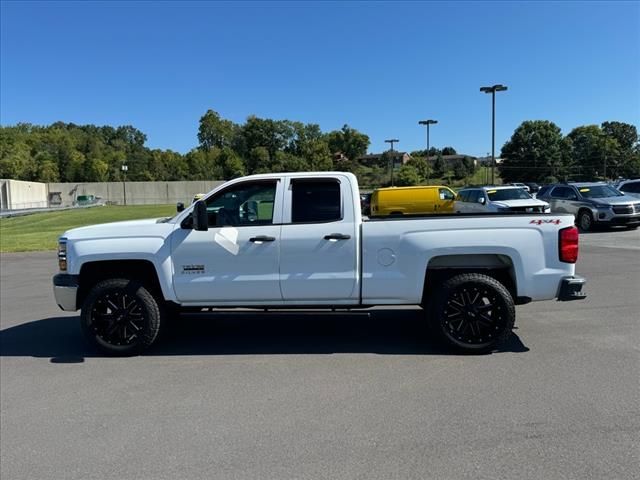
x=315, y=200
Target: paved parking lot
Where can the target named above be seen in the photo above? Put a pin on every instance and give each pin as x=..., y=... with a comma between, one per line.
x=327, y=396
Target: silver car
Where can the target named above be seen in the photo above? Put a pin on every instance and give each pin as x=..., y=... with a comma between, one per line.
x=592, y=204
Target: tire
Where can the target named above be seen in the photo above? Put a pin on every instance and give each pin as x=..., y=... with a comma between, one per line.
x=474, y=313
x=120, y=317
x=585, y=220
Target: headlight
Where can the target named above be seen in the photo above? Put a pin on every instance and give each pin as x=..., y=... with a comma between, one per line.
x=62, y=254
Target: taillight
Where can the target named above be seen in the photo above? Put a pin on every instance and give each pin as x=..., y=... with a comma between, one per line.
x=568, y=245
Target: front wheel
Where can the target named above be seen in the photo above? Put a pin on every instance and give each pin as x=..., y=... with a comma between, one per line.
x=120, y=317
x=474, y=313
x=585, y=221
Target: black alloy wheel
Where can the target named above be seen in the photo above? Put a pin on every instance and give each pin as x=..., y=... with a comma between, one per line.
x=475, y=313
x=120, y=317
x=117, y=318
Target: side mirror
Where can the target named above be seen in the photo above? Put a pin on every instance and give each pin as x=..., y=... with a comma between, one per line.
x=200, y=217
x=482, y=200
x=179, y=207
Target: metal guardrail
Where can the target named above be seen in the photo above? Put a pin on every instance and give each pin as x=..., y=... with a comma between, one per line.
x=29, y=211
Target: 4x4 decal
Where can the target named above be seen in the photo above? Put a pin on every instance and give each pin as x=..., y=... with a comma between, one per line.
x=555, y=221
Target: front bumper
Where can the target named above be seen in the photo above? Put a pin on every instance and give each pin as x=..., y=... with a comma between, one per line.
x=571, y=289
x=65, y=291
x=609, y=217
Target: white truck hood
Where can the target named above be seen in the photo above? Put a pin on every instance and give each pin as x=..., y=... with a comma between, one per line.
x=152, y=227
x=525, y=202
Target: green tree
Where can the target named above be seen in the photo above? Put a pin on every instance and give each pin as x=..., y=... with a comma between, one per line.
x=214, y=131
x=231, y=164
x=439, y=166
x=407, y=175
x=449, y=151
x=534, y=152
x=460, y=171
x=624, y=154
x=348, y=141
x=590, y=149
x=16, y=162
x=259, y=161
x=75, y=167
x=421, y=165
x=97, y=170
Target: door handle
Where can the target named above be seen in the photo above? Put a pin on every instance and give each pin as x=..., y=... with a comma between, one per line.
x=262, y=238
x=337, y=236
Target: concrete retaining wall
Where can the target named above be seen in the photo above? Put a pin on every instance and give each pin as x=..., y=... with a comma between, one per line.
x=16, y=194
x=20, y=195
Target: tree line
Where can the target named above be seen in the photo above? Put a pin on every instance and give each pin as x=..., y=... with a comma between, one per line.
x=537, y=151
x=65, y=152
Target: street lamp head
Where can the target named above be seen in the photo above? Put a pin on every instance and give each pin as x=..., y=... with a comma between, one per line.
x=427, y=122
x=494, y=88
x=394, y=140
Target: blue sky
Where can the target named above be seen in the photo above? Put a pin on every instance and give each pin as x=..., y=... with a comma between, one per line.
x=377, y=66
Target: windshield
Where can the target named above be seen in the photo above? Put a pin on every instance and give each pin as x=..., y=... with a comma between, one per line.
x=508, y=194
x=599, y=191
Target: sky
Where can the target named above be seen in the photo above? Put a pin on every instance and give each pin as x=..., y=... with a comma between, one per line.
x=379, y=67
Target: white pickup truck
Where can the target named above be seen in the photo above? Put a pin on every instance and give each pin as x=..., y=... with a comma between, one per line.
x=298, y=240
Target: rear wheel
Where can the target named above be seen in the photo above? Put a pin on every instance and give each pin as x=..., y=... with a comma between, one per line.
x=585, y=220
x=120, y=317
x=474, y=313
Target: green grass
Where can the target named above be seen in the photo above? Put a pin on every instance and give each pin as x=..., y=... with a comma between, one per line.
x=40, y=231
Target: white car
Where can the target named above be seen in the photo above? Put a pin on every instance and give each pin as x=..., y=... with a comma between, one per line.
x=298, y=240
x=521, y=185
x=629, y=187
x=503, y=199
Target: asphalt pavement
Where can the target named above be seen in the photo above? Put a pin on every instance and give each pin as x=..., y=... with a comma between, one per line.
x=319, y=396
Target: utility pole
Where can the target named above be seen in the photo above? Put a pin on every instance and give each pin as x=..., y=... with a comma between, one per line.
x=427, y=123
x=393, y=160
x=492, y=90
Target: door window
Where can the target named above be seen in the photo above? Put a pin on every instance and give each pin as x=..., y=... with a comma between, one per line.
x=562, y=192
x=315, y=201
x=248, y=203
x=446, y=194
x=463, y=196
x=475, y=195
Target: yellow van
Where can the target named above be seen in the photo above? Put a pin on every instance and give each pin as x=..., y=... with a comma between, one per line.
x=412, y=200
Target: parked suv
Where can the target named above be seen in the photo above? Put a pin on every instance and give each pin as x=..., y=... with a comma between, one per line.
x=498, y=199
x=593, y=204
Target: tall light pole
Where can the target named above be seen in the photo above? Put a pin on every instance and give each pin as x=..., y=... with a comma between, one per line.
x=427, y=123
x=392, y=141
x=492, y=90
x=124, y=185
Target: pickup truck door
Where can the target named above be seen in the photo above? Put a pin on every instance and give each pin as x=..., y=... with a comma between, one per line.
x=319, y=244
x=236, y=260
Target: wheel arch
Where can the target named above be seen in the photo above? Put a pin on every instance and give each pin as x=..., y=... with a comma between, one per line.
x=143, y=271
x=498, y=266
